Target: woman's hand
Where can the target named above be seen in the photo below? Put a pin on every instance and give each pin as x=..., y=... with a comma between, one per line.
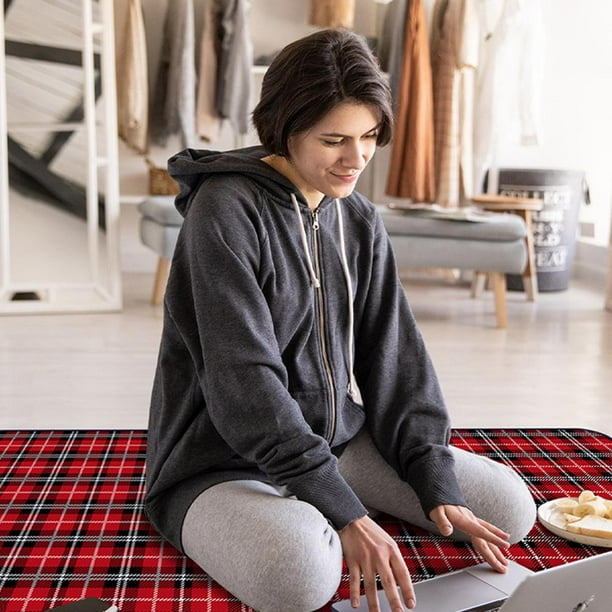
x=370, y=551
x=488, y=540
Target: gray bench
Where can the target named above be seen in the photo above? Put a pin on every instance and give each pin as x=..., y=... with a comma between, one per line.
x=495, y=247
x=159, y=227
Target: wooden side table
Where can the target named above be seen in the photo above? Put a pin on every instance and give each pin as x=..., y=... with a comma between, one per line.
x=523, y=207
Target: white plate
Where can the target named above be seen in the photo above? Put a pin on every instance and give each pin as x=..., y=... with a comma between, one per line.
x=553, y=520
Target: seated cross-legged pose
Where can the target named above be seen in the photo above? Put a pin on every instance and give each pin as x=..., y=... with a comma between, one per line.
x=293, y=396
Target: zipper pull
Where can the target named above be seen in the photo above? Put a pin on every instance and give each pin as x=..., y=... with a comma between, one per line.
x=316, y=283
x=315, y=220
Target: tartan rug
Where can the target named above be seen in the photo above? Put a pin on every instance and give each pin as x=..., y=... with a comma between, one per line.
x=72, y=524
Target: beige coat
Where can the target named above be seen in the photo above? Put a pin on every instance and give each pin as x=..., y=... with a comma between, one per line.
x=411, y=174
x=454, y=59
x=132, y=77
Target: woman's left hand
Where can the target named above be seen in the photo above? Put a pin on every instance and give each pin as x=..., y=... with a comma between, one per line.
x=488, y=540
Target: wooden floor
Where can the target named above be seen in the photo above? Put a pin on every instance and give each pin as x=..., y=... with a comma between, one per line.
x=552, y=366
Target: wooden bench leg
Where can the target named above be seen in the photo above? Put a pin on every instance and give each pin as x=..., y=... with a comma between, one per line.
x=498, y=282
x=478, y=283
x=530, y=275
x=161, y=278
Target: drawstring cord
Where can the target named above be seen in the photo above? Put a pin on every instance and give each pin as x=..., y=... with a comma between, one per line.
x=352, y=387
x=313, y=277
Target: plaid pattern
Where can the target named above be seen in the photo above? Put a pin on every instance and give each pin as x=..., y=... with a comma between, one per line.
x=72, y=525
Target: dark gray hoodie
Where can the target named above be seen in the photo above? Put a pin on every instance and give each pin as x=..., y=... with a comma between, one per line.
x=260, y=341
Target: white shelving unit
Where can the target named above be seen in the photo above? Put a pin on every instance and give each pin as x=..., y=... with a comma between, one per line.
x=54, y=261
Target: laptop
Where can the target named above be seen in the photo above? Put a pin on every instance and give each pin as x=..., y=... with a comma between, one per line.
x=580, y=586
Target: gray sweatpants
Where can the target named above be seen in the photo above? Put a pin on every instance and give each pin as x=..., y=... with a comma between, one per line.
x=276, y=553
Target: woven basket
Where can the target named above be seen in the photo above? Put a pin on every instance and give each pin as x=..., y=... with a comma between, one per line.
x=160, y=182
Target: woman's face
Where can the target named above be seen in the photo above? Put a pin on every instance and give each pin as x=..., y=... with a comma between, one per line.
x=328, y=158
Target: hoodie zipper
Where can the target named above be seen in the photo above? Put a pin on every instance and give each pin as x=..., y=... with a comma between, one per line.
x=322, y=327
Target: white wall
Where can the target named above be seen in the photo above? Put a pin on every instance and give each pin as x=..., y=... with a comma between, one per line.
x=576, y=103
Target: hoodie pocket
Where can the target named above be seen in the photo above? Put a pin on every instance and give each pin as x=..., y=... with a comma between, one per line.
x=314, y=405
x=351, y=417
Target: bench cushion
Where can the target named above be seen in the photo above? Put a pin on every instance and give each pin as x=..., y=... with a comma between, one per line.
x=504, y=227
x=160, y=238
x=161, y=210
x=418, y=241
x=507, y=256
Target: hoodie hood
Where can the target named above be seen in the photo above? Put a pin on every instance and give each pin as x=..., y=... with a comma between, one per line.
x=191, y=167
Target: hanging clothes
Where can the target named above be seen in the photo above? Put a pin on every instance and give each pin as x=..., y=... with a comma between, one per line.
x=332, y=13
x=235, y=65
x=208, y=118
x=132, y=77
x=454, y=59
x=173, y=107
x=509, y=80
x=411, y=174
x=390, y=47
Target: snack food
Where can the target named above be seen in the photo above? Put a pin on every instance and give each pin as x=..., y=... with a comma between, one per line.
x=588, y=514
x=592, y=525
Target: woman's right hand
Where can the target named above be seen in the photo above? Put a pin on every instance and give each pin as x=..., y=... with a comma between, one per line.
x=370, y=552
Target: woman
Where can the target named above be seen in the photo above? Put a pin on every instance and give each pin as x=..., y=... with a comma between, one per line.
x=293, y=395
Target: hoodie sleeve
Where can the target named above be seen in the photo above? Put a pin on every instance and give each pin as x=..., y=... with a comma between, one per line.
x=407, y=415
x=215, y=299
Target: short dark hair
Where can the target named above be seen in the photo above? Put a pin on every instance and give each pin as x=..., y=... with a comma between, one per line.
x=310, y=77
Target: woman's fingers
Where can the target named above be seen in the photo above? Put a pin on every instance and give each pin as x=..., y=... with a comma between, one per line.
x=491, y=554
x=394, y=578
x=355, y=585
x=488, y=540
x=439, y=517
x=491, y=533
x=371, y=592
x=393, y=582
x=402, y=575
x=372, y=554
x=464, y=519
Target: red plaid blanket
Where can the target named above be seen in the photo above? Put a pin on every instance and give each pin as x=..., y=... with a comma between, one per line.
x=72, y=525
